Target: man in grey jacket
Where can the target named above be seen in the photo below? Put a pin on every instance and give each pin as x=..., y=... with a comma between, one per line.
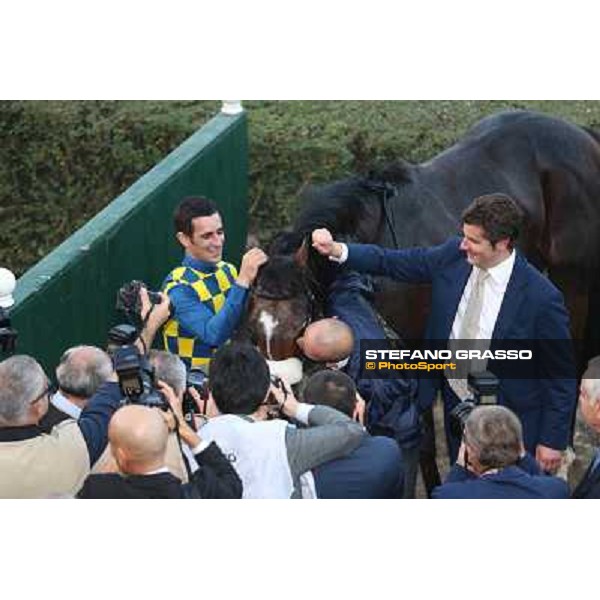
x=269, y=454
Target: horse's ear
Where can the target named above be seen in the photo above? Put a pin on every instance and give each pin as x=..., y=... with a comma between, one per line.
x=399, y=171
x=252, y=241
x=301, y=255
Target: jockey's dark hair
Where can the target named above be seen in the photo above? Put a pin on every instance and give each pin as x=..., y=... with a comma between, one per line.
x=190, y=208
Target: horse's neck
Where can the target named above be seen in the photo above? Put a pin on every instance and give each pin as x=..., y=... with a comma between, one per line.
x=418, y=215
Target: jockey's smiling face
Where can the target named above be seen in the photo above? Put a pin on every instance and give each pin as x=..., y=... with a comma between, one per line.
x=207, y=239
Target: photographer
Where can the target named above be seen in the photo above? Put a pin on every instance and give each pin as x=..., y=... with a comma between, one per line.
x=35, y=464
x=374, y=469
x=492, y=462
x=391, y=408
x=270, y=455
x=170, y=369
x=138, y=439
x=589, y=407
x=80, y=372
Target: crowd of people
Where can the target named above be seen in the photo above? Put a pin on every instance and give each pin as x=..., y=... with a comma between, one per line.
x=338, y=434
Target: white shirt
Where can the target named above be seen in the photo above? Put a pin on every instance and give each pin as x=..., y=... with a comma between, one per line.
x=257, y=451
x=65, y=405
x=494, y=288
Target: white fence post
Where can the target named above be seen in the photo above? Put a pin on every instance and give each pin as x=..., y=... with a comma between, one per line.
x=232, y=107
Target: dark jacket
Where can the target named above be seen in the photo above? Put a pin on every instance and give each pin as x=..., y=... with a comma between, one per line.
x=53, y=417
x=532, y=309
x=215, y=478
x=391, y=403
x=522, y=481
x=372, y=471
x=589, y=486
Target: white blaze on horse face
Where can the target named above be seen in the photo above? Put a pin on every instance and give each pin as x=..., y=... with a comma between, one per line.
x=269, y=323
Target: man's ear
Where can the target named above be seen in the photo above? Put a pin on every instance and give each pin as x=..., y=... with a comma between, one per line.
x=183, y=239
x=120, y=457
x=596, y=411
x=503, y=244
x=39, y=409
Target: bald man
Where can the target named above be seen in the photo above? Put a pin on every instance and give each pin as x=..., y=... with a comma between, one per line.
x=138, y=438
x=391, y=407
x=328, y=341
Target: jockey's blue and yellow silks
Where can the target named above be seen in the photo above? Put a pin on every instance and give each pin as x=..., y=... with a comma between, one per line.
x=207, y=307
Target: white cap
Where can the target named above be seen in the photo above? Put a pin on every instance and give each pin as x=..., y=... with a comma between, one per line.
x=8, y=283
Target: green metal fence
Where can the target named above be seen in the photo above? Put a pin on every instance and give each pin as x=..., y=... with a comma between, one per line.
x=68, y=297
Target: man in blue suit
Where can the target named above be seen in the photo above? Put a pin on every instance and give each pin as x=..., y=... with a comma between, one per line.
x=391, y=408
x=492, y=463
x=374, y=469
x=517, y=303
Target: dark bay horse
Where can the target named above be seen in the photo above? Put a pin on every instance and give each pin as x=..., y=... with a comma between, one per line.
x=549, y=166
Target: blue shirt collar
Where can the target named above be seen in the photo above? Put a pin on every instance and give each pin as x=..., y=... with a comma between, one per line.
x=199, y=265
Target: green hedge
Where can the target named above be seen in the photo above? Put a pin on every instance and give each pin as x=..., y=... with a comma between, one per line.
x=61, y=162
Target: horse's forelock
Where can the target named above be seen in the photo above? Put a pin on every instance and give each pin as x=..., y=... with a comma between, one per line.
x=285, y=243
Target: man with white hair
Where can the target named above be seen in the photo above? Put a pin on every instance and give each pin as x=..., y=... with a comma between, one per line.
x=80, y=372
x=33, y=463
x=589, y=405
x=37, y=464
x=492, y=462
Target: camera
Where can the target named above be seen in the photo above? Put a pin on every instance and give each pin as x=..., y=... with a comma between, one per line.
x=8, y=335
x=197, y=379
x=484, y=386
x=128, y=299
x=119, y=336
x=136, y=379
x=273, y=408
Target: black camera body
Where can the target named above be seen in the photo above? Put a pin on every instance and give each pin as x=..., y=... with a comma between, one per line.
x=484, y=386
x=128, y=300
x=136, y=379
x=197, y=379
x=8, y=335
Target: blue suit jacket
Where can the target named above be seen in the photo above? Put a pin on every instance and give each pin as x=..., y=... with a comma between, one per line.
x=372, y=471
x=589, y=486
x=524, y=481
x=532, y=309
x=391, y=403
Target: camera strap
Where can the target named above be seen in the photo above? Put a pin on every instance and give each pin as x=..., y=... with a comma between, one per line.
x=180, y=444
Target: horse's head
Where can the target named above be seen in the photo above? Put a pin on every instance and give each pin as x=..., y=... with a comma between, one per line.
x=290, y=289
x=281, y=305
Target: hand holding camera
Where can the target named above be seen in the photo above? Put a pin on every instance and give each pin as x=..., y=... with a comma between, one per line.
x=187, y=434
x=285, y=400
x=359, y=410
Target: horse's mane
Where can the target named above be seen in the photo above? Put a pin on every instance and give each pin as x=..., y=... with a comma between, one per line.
x=350, y=208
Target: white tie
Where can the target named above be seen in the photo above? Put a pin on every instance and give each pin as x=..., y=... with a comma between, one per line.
x=468, y=331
